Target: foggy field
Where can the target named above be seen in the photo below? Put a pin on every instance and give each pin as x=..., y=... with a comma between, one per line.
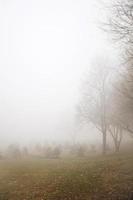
x=64, y=179
x=66, y=100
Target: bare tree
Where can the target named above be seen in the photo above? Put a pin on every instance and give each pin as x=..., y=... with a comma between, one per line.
x=14, y=151
x=93, y=105
x=116, y=133
x=122, y=102
x=115, y=117
x=121, y=25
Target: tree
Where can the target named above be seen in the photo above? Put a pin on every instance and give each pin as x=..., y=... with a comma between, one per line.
x=25, y=152
x=116, y=133
x=94, y=97
x=121, y=109
x=56, y=153
x=121, y=26
x=14, y=151
x=115, y=127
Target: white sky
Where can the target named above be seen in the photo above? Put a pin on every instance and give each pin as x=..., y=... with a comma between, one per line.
x=45, y=46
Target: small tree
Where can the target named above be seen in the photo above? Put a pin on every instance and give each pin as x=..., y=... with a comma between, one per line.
x=25, y=152
x=93, y=148
x=13, y=151
x=48, y=152
x=81, y=150
x=56, y=152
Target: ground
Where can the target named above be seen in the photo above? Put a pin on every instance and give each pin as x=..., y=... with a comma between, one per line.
x=97, y=178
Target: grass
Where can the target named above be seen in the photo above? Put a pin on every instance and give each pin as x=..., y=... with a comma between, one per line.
x=100, y=178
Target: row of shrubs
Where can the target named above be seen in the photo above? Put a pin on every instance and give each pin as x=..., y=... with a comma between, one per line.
x=47, y=151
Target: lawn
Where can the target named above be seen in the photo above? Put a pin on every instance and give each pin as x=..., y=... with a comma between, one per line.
x=97, y=178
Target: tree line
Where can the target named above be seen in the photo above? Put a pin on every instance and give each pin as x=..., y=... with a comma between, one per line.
x=107, y=92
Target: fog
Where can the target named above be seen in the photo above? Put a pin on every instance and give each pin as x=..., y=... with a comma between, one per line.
x=45, y=48
x=66, y=99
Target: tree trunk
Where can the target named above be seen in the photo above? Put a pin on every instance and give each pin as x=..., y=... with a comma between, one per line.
x=117, y=146
x=104, y=143
x=116, y=133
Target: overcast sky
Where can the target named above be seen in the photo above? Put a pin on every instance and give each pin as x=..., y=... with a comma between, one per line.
x=45, y=46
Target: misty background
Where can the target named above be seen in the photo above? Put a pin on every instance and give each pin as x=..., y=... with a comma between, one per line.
x=45, y=48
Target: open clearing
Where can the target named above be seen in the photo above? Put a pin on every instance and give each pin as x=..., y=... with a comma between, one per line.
x=109, y=178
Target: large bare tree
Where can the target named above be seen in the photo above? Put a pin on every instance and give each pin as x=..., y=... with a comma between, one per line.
x=121, y=27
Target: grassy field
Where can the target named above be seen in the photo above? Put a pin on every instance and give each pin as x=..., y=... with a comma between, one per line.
x=109, y=178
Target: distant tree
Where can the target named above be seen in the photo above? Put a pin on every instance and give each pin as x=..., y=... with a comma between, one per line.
x=81, y=150
x=48, y=152
x=56, y=152
x=1, y=155
x=38, y=149
x=93, y=148
x=72, y=149
x=13, y=151
x=25, y=152
x=52, y=151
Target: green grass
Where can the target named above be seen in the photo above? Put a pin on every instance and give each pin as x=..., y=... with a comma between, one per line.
x=109, y=178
